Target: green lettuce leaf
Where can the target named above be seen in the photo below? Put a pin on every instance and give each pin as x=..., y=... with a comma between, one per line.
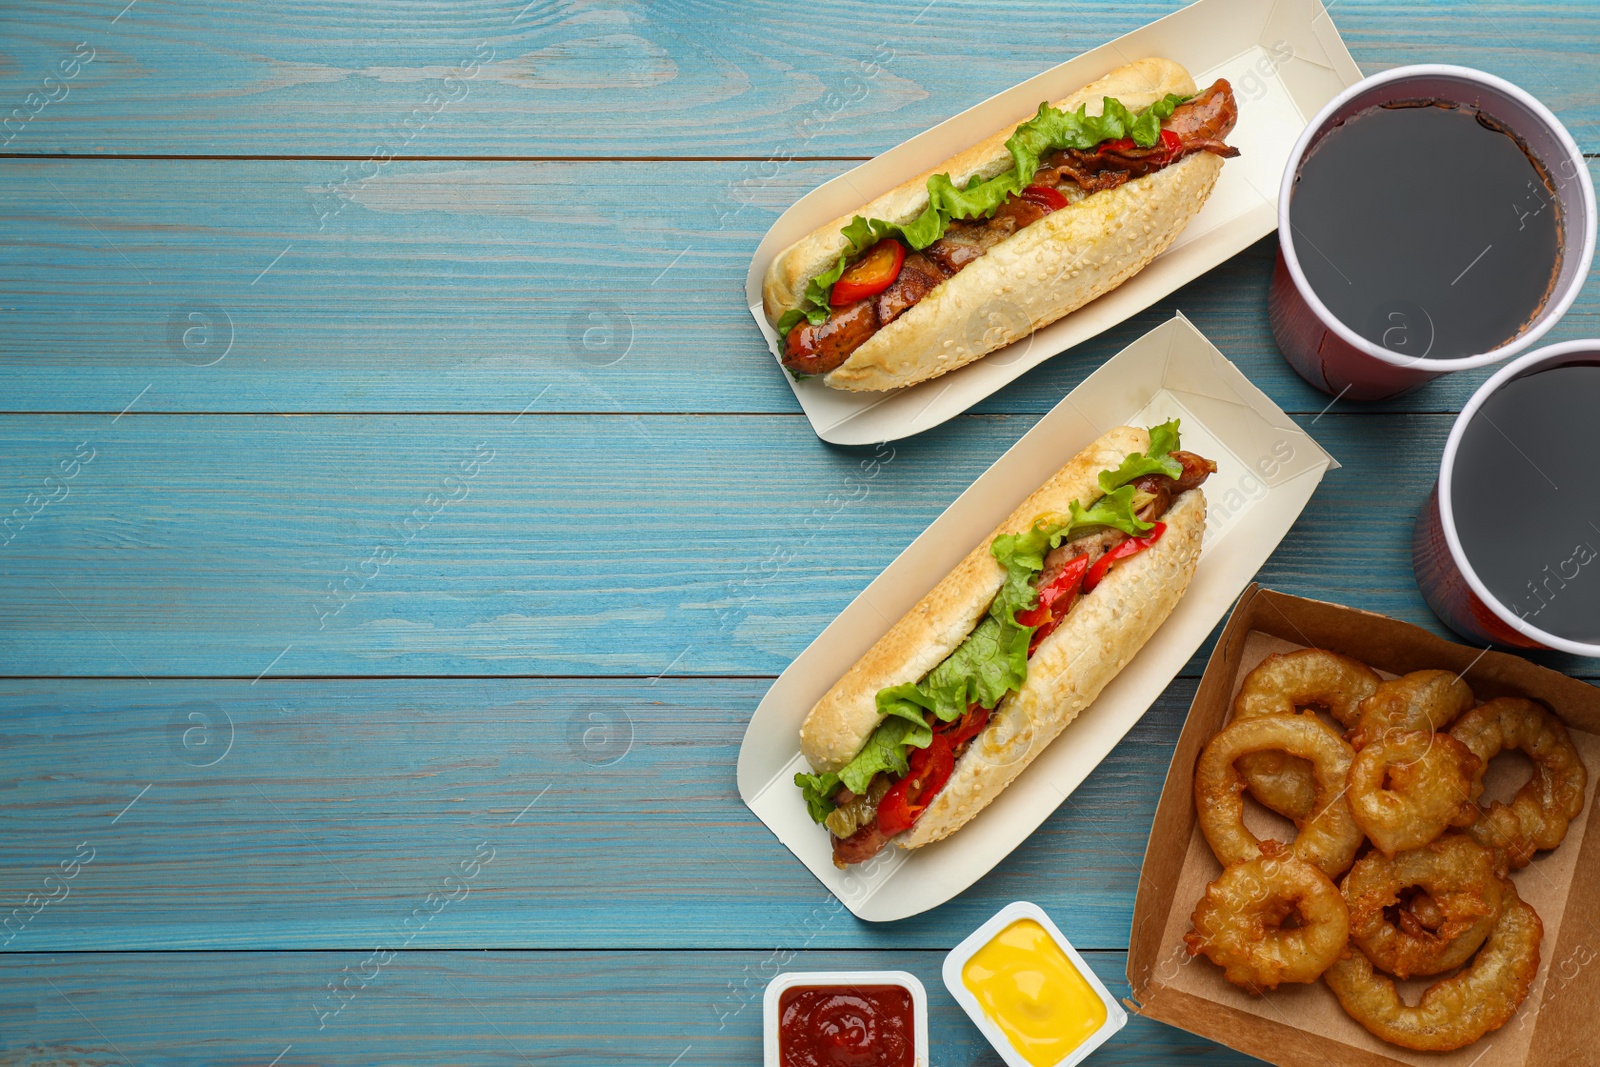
x=818, y=790
x=1158, y=460
x=993, y=660
x=1114, y=510
x=1052, y=128
x=863, y=233
x=1047, y=131
x=790, y=319
x=885, y=751
x=1164, y=439
x=983, y=668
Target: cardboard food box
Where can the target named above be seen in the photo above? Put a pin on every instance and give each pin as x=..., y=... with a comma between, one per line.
x=1267, y=469
x=1285, y=60
x=1303, y=1025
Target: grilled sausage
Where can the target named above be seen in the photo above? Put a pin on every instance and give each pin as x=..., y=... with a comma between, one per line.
x=819, y=349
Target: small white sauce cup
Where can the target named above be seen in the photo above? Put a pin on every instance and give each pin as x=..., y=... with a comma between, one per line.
x=904, y=979
x=956, y=962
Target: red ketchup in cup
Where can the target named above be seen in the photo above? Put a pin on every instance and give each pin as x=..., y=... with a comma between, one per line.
x=846, y=1026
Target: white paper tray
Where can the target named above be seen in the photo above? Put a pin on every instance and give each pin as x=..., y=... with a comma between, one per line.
x=1267, y=470
x=1285, y=60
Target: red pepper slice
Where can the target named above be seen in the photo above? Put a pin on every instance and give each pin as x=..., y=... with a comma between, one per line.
x=1169, y=141
x=964, y=729
x=908, y=798
x=1062, y=584
x=875, y=272
x=1058, y=615
x=1036, y=615
x=940, y=762
x=1044, y=197
x=1055, y=600
x=1132, y=546
x=894, y=813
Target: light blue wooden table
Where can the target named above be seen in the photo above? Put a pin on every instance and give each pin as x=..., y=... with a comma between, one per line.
x=379, y=669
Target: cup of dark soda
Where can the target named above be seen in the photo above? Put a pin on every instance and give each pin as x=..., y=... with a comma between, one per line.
x=1507, y=548
x=1431, y=219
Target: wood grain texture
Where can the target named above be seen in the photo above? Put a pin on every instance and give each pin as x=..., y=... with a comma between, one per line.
x=603, y=814
x=636, y=1009
x=585, y=545
x=593, y=594
x=704, y=78
x=553, y=287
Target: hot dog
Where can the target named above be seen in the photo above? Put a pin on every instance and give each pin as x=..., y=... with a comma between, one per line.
x=970, y=685
x=1047, y=215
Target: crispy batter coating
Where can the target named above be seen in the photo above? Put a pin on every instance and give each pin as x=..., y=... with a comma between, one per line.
x=1328, y=837
x=1282, y=684
x=1421, y=700
x=1455, y=1011
x=1408, y=788
x=1459, y=905
x=1238, y=924
x=1432, y=898
x=1538, y=816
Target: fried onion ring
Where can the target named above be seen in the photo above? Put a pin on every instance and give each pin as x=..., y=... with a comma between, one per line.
x=1538, y=816
x=1328, y=837
x=1421, y=700
x=1238, y=924
x=1408, y=788
x=1282, y=684
x=1461, y=905
x=1454, y=1011
x=1422, y=913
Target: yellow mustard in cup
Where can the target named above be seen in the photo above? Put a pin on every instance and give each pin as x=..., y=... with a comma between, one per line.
x=1033, y=992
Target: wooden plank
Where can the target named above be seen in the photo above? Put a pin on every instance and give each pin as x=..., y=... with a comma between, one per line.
x=649, y=1009
x=207, y=286
x=549, y=545
x=633, y=79
x=590, y=813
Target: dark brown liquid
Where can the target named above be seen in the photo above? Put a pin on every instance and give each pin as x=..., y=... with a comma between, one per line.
x=1526, y=498
x=1426, y=229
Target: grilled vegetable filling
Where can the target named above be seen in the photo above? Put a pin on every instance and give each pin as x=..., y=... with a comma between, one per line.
x=1058, y=159
x=928, y=725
